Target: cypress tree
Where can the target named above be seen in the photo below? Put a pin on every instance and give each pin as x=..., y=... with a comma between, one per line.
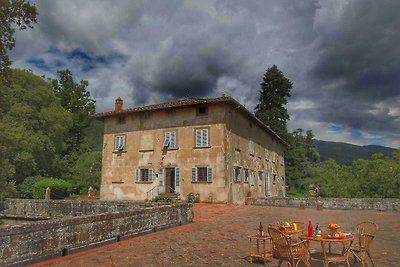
x=275, y=88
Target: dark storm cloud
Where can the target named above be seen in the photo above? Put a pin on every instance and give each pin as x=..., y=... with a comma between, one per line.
x=342, y=56
x=361, y=53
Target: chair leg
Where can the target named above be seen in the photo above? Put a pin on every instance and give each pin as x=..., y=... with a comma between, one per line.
x=369, y=255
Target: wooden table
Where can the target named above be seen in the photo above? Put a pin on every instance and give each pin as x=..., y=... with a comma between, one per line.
x=329, y=256
x=262, y=252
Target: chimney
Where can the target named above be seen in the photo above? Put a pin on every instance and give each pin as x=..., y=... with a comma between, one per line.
x=118, y=104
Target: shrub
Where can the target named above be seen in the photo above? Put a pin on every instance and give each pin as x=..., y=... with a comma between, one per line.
x=26, y=188
x=59, y=188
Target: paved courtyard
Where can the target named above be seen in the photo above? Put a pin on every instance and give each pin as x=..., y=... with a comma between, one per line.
x=218, y=237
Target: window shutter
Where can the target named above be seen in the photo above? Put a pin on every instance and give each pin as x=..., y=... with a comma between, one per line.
x=172, y=139
x=137, y=177
x=166, y=139
x=252, y=178
x=209, y=174
x=161, y=181
x=240, y=175
x=194, y=174
x=177, y=180
x=150, y=175
x=205, y=138
x=234, y=174
x=198, y=137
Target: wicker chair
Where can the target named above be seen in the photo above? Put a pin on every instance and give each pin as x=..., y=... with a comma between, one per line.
x=365, y=233
x=285, y=250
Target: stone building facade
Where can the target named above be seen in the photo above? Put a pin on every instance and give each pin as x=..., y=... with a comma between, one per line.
x=212, y=147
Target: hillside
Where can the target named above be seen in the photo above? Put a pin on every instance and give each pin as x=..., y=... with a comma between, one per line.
x=345, y=153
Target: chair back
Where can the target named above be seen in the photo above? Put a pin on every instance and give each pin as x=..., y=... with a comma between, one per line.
x=370, y=228
x=365, y=233
x=280, y=241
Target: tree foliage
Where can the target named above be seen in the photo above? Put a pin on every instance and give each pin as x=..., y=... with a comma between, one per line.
x=377, y=177
x=14, y=14
x=76, y=99
x=34, y=130
x=275, y=89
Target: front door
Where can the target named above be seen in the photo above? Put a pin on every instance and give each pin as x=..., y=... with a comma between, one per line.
x=169, y=180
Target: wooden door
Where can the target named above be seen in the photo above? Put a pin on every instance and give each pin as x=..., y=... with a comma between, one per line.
x=170, y=180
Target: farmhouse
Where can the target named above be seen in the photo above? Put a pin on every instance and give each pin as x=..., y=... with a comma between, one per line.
x=213, y=148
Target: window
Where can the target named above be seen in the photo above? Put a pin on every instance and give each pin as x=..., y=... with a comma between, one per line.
x=144, y=175
x=282, y=160
x=274, y=178
x=119, y=143
x=121, y=120
x=283, y=180
x=170, y=140
x=236, y=174
x=202, y=137
x=252, y=178
x=246, y=176
x=202, y=174
x=273, y=156
x=251, y=147
x=266, y=153
x=202, y=111
x=260, y=175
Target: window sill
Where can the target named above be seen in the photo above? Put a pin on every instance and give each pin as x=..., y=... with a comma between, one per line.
x=201, y=182
x=167, y=149
x=119, y=152
x=251, y=154
x=146, y=150
x=237, y=182
x=117, y=182
x=201, y=147
x=143, y=182
x=245, y=182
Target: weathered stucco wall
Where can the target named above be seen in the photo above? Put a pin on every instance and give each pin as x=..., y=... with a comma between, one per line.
x=28, y=243
x=382, y=204
x=261, y=162
x=229, y=135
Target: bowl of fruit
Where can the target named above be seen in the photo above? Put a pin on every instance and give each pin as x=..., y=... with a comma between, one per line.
x=334, y=228
x=285, y=226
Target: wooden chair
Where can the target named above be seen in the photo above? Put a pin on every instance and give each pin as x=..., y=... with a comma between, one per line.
x=365, y=233
x=285, y=250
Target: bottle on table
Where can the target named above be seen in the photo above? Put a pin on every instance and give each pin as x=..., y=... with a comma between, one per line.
x=316, y=231
x=310, y=229
x=261, y=230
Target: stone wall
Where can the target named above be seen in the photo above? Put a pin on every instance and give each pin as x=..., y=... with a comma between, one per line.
x=46, y=209
x=381, y=204
x=30, y=243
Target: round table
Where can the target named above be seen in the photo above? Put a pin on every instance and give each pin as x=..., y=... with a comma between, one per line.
x=329, y=256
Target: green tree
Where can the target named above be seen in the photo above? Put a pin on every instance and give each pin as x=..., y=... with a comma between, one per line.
x=14, y=14
x=76, y=99
x=301, y=154
x=32, y=128
x=275, y=89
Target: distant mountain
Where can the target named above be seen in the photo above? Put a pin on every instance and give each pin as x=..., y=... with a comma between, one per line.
x=344, y=153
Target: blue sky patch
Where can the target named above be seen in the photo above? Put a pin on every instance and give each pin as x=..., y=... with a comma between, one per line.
x=75, y=59
x=335, y=128
x=39, y=63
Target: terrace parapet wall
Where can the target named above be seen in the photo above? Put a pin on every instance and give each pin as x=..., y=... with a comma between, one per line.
x=29, y=243
x=380, y=204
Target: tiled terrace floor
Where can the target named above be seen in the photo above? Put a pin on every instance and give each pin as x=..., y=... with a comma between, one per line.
x=218, y=237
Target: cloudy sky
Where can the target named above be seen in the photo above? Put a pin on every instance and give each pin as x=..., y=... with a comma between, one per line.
x=342, y=56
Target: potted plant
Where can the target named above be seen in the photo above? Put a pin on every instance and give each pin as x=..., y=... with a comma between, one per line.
x=248, y=198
